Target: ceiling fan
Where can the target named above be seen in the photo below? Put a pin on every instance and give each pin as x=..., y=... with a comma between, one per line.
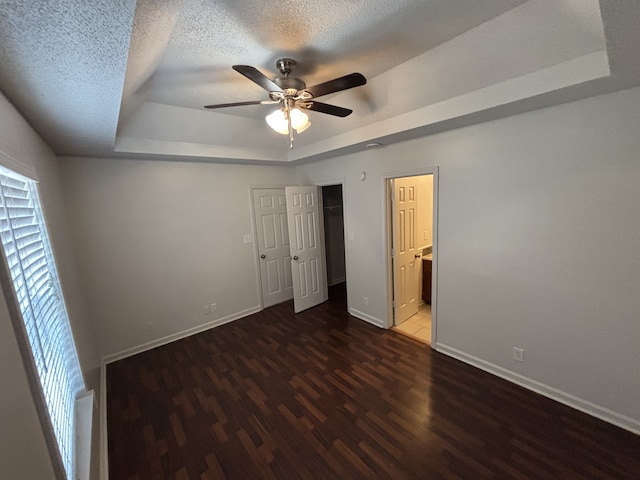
x=294, y=96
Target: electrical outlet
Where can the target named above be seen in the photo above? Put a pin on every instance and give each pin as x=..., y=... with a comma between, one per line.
x=206, y=310
x=366, y=300
x=149, y=325
x=213, y=307
x=518, y=354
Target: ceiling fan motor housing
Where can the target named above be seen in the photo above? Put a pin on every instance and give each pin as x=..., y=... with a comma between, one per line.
x=290, y=82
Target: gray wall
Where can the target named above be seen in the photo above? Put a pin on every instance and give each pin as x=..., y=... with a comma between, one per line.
x=538, y=246
x=159, y=240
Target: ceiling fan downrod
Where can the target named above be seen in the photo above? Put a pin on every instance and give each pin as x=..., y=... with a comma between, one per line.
x=285, y=66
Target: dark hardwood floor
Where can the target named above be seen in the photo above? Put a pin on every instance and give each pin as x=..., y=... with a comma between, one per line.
x=322, y=395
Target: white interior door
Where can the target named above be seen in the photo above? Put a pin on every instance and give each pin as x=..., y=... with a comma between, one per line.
x=304, y=207
x=272, y=232
x=406, y=256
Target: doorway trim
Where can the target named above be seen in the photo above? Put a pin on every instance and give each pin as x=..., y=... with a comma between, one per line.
x=387, y=241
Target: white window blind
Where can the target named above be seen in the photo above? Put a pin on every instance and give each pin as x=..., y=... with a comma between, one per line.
x=35, y=280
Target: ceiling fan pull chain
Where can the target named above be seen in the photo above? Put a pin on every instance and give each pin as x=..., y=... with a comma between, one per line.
x=290, y=130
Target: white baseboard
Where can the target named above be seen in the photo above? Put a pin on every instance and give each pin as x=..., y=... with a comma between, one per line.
x=177, y=336
x=367, y=318
x=572, y=401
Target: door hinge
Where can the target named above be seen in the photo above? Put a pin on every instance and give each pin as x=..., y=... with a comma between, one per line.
x=393, y=252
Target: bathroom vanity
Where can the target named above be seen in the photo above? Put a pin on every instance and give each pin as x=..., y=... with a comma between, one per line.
x=426, y=278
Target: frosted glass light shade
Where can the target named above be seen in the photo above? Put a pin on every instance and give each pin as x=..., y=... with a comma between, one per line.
x=299, y=120
x=278, y=121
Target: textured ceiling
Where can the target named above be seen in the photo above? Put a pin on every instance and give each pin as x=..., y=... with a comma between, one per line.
x=329, y=39
x=127, y=78
x=62, y=64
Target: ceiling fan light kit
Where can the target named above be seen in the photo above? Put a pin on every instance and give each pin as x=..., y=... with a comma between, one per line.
x=279, y=119
x=293, y=96
x=299, y=120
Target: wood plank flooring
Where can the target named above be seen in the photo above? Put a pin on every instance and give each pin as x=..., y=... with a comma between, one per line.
x=322, y=395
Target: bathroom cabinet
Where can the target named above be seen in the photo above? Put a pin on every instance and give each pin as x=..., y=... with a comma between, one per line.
x=426, y=280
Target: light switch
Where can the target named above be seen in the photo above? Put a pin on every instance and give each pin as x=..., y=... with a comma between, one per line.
x=247, y=238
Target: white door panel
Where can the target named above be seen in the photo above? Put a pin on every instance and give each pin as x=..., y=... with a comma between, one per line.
x=304, y=205
x=273, y=245
x=406, y=257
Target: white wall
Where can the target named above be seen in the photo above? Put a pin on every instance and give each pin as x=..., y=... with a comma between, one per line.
x=538, y=246
x=159, y=240
x=24, y=455
x=23, y=451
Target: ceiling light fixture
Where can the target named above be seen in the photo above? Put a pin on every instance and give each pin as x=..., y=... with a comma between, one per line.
x=277, y=120
x=293, y=95
x=286, y=119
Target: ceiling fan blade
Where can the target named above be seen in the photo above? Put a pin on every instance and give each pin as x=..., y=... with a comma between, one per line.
x=337, y=85
x=258, y=77
x=326, y=108
x=240, y=104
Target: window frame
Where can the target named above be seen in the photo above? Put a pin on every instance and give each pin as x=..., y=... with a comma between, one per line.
x=26, y=351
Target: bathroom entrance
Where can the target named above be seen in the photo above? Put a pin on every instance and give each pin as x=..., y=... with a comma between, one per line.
x=410, y=232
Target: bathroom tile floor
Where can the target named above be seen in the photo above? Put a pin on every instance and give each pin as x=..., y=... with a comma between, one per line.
x=419, y=325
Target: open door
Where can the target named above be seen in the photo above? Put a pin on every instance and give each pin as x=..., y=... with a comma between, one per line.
x=406, y=256
x=304, y=210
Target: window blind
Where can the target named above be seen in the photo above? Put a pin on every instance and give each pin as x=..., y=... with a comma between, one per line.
x=36, y=284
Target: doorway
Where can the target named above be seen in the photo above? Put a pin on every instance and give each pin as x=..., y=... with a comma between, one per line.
x=284, y=233
x=411, y=239
x=333, y=213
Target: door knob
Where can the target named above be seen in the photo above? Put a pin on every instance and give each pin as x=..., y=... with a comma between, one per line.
x=417, y=255
x=295, y=257
x=263, y=256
